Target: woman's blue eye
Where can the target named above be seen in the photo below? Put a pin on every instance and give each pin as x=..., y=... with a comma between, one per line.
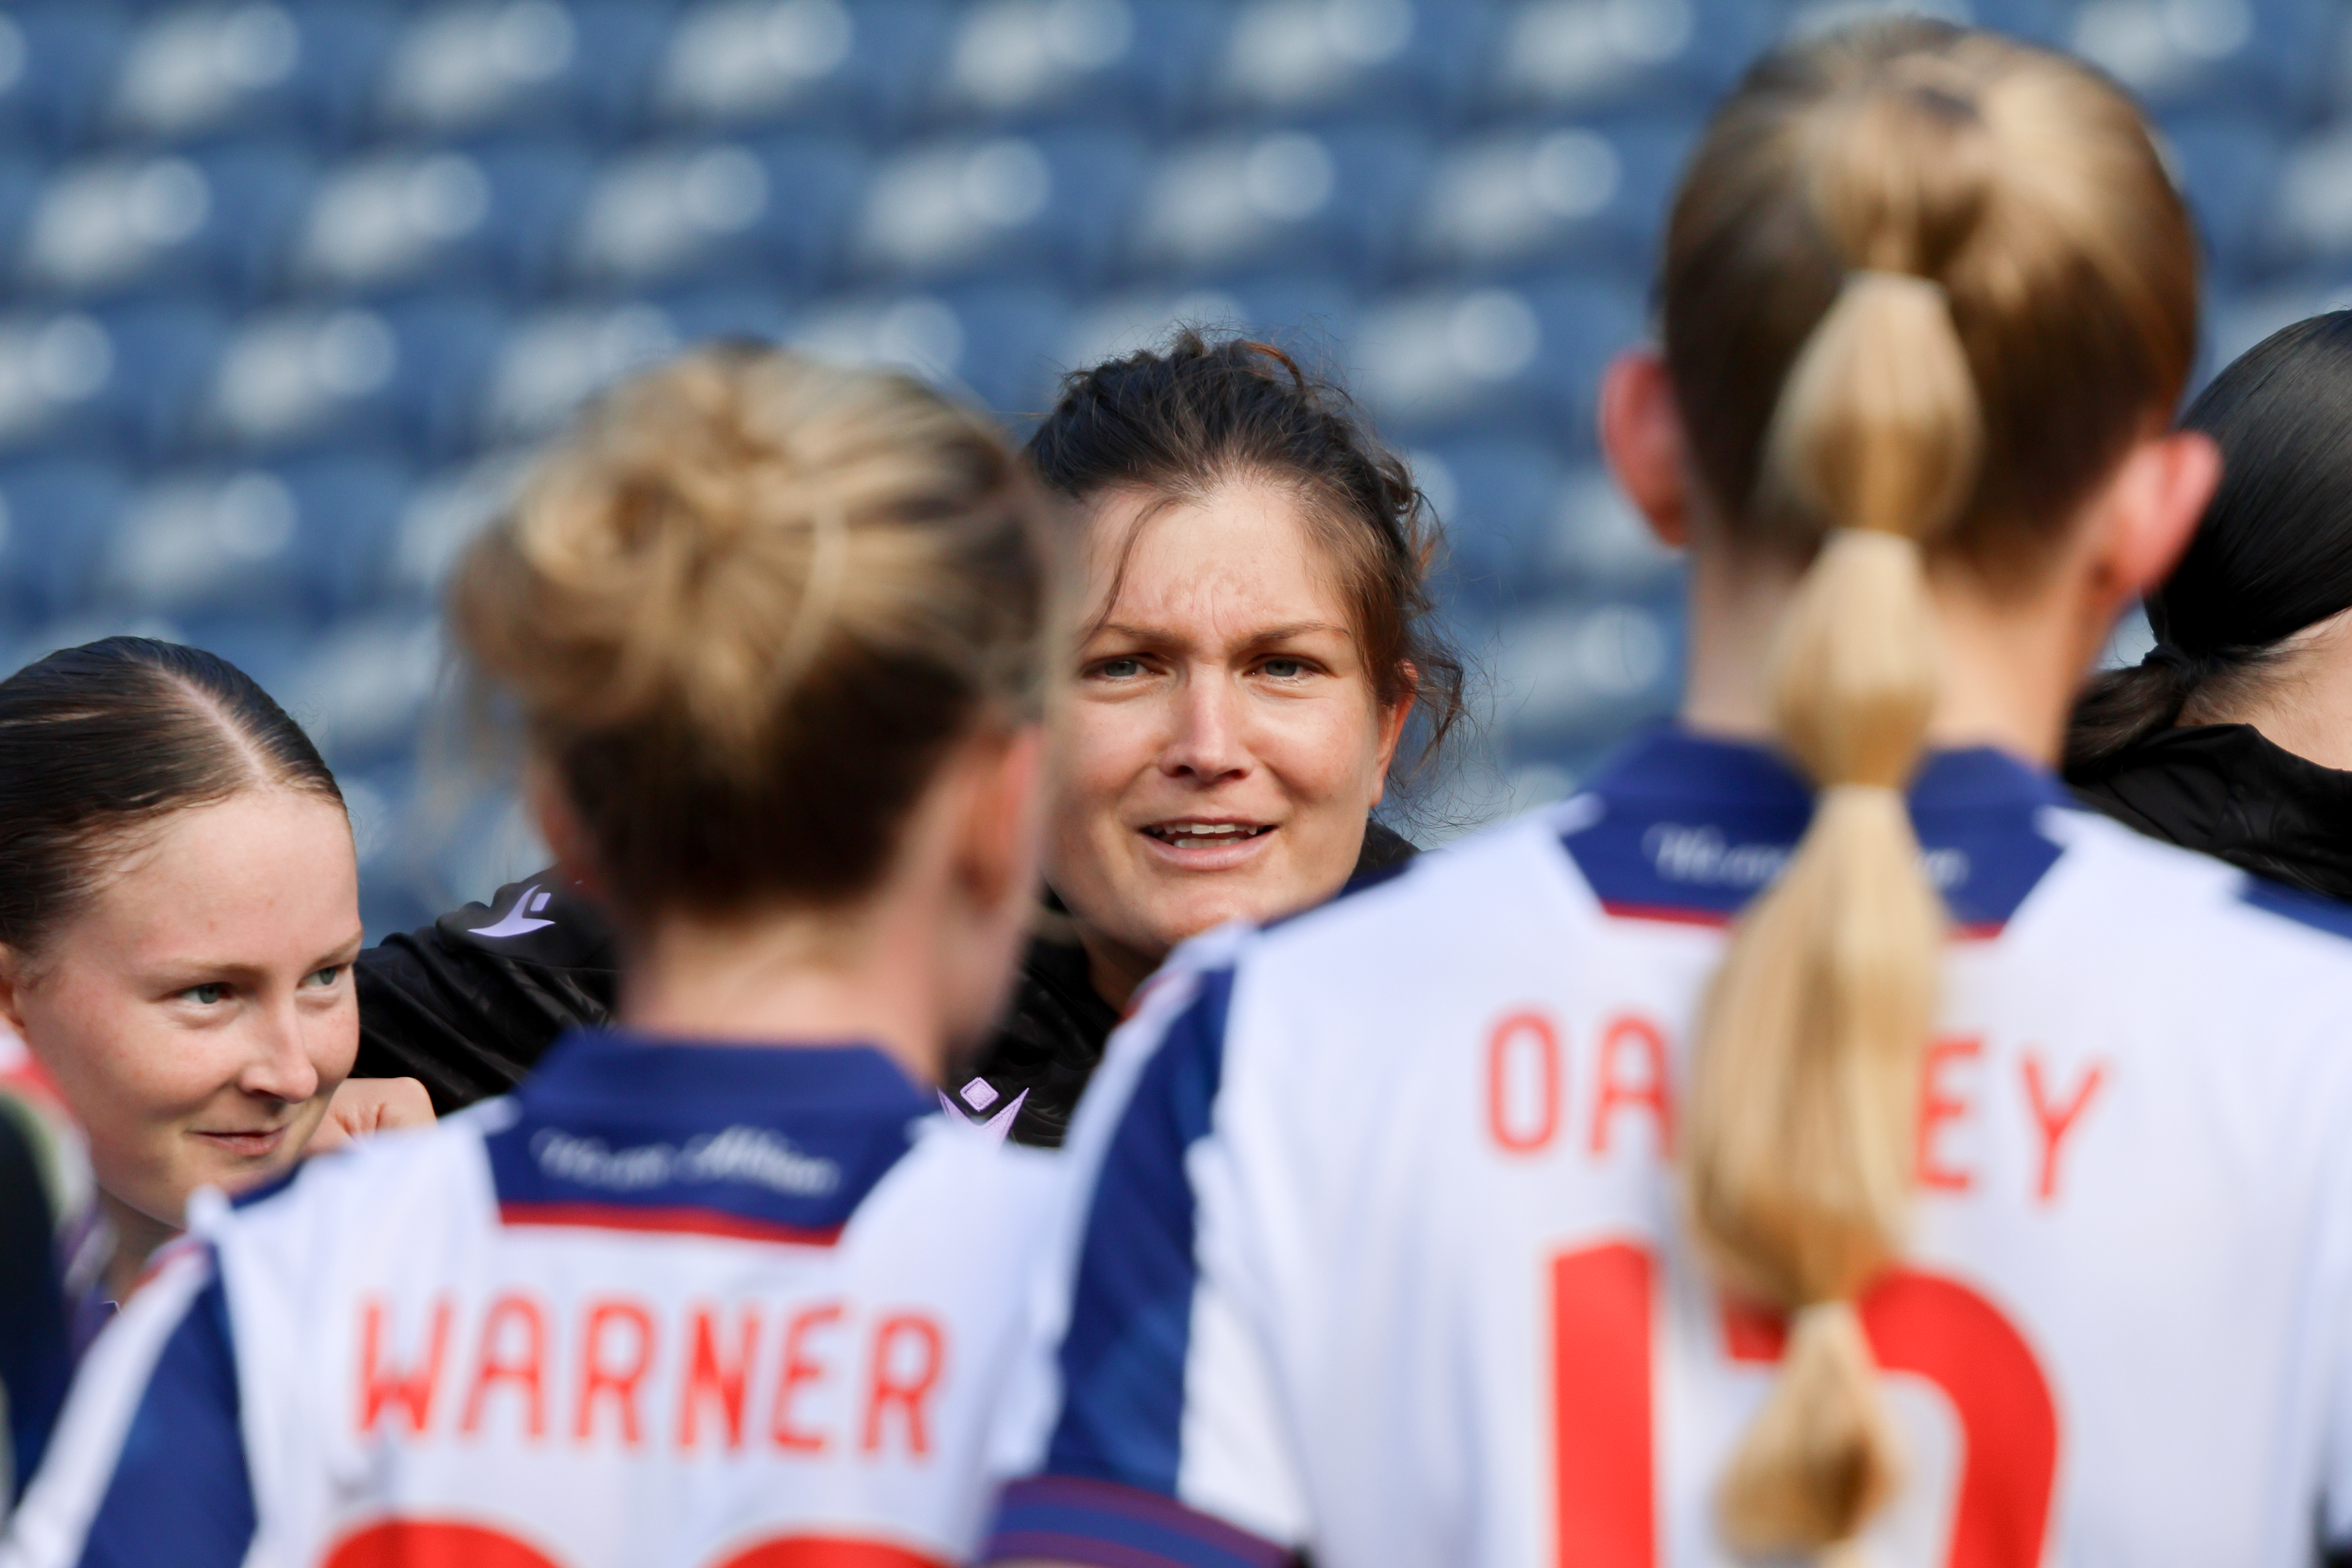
x=1119, y=669
x=328, y=975
x=1284, y=668
x=206, y=996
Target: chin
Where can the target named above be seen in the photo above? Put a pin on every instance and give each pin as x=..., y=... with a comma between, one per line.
x=1182, y=926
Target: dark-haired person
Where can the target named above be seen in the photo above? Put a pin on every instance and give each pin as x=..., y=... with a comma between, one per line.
x=179, y=910
x=718, y=1285
x=1929, y=1174
x=2234, y=735
x=1257, y=632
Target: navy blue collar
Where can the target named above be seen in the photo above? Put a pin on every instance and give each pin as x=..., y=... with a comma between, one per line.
x=1690, y=828
x=614, y=1130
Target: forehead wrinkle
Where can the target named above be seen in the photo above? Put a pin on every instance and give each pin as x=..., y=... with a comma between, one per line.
x=1225, y=587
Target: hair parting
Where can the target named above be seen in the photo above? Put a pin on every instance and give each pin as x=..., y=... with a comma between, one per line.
x=99, y=742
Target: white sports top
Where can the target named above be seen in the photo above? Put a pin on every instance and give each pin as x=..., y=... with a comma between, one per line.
x=1380, y=1261
x=687, y=1306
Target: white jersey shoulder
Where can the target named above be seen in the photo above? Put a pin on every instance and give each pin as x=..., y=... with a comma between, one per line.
x=1390, y=1185
x=705, y=1306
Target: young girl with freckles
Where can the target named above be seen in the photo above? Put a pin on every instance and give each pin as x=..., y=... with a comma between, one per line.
x=179, y=910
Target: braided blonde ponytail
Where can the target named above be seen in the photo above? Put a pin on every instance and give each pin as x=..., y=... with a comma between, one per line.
x=1798, y=1171
x=1801, y=1134
x=1922, y=289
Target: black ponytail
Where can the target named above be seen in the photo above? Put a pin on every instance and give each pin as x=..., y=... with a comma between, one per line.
x=2272, y=555
x=96, y=742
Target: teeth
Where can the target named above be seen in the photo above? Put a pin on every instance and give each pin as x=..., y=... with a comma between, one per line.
x=1204, y=834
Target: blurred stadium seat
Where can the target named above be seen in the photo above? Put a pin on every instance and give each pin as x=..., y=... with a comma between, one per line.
x=749, y=62
x=1339, y=199
x=1018, y=60
x=1656, y=56
x=293, y=287
x=249, y=65
x=119, y=223
x=1306, y=56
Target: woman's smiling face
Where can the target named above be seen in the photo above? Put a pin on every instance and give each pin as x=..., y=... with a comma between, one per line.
x=1226, y=742
x=198, y=1013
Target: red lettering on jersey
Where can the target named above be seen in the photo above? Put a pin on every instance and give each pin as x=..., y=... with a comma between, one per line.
x=1604, y=1512
x=411, y=1390
x=1940, y=1329
x=432, y=1543
x=2055, y=1121
x=904, y=1387
x=599, y=1376
x=1937, y=1107
x=1648, y=1091
x=707, y=1377
x=1536, y=1122
x=824, y=1552
x=492, y=1367
x=800, y=1368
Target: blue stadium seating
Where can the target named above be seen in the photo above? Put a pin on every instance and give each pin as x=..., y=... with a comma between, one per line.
x=779, y=211
x=126, y=221
x=962, y=206
x=2227, y=168
x=1015, y=62
x=1290, y=57
x=210, y=69
x=1551, y=193
x=1580, y=57
x=293, y=287
x=59, y=513
x=59, y=57
x=475, y=66
x=737, y=63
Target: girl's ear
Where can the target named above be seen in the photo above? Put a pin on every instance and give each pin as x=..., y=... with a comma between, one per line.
x=13, y=975
x=1642, y=437
x=2160, y=498
x=1392, y=723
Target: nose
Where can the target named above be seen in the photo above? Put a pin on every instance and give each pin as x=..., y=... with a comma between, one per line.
x=1208, y=745
x=280, y=1066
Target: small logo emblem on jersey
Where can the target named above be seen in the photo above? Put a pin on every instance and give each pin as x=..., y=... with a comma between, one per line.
x=1700, y=855
x=739, y=1153
x=517, y=920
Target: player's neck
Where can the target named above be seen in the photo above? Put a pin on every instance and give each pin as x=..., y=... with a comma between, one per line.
x=803, y=978
x=2011, y=663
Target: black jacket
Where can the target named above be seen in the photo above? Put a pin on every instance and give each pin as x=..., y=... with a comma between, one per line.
x=2226, y=791
x=468, y=1003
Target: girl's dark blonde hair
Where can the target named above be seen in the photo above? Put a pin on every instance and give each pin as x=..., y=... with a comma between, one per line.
x=747, y=608
x=1923, y=287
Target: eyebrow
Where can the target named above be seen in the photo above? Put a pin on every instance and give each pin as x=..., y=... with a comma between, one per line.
x=1270, y=635
x=344, y=953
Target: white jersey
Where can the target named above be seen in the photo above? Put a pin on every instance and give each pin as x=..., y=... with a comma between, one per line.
x=1380, y=1261
x=668, y=1306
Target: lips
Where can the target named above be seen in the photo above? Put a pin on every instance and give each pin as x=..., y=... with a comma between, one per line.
x=1206, y=835
x=1194, y=845
x=246, y=1145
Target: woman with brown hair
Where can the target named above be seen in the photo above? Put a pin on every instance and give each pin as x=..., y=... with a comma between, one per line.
x=1257, y=632
x=1816, y=1142
x=718, y=1286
